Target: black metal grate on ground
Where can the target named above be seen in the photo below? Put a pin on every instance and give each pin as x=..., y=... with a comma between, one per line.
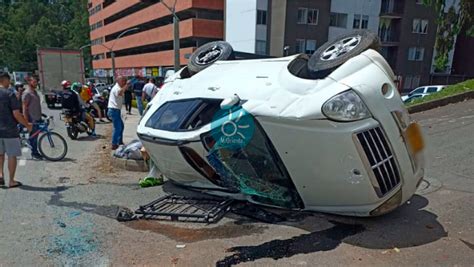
x=186, y=209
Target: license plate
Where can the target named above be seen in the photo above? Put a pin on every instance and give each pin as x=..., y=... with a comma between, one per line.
x=414, y=138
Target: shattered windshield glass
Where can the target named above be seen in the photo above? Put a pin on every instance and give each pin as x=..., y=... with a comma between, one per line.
x=254, y=170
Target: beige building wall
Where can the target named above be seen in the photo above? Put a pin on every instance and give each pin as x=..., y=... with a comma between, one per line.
x=277, y=32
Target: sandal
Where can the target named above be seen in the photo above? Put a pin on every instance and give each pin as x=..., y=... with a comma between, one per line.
x=17, y=184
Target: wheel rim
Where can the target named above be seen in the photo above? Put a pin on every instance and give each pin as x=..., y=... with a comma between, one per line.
x=340, y=48
x=53, y=147
x=208, y=56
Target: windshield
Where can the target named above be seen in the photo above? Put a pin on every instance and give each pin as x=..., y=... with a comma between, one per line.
x=254, y=170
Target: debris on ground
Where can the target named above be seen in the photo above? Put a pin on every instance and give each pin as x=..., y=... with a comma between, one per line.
x=257, y=213
x=130, y=151
x=197, y=209
x=186, y=209
x=180, y=246
x=151, y=181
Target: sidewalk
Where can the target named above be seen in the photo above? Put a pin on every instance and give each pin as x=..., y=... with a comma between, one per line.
x=129, y=134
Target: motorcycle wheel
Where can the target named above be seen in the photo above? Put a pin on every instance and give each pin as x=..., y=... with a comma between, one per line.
x=72, y=132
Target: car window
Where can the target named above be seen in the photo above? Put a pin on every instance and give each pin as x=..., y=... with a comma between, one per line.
x=432, y=89
x=418, y=91
x=184, y=115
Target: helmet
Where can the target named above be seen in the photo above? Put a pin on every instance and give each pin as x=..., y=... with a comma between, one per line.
x=18, y=84
x=76, y=87
x=66, y=84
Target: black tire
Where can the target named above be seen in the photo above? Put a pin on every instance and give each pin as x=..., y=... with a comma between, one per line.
x=44, y=144
x=202, y=57
x=72, y=132
x=322, y=62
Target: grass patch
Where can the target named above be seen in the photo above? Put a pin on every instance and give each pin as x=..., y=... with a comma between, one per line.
x=454, y=89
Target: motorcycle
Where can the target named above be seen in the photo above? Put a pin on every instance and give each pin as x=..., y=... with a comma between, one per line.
x=102, y=103
x=74, y=124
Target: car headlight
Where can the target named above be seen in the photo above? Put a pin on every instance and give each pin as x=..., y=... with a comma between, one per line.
x=346, y=106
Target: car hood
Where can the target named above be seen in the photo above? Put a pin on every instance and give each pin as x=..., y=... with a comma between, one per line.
x=267, y=87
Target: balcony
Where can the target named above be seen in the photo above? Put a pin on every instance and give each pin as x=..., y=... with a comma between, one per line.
x=389, y=37
x=392, y=9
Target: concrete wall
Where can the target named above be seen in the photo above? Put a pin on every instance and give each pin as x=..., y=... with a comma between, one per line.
x=351, y=7
x=240, y=24
x=277, y=27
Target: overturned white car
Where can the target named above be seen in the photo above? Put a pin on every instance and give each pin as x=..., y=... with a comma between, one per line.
x=329, y=133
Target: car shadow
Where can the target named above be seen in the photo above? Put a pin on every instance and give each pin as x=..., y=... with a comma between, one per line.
x=408, y=226
x=91, y=138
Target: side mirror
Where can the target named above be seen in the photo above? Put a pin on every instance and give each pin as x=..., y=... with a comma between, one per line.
x=229, y=102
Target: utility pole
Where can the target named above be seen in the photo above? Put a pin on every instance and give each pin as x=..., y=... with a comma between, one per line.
x=110, y=49
x=177, y=57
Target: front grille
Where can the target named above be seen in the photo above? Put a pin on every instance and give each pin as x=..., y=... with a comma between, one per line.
x=381, y=159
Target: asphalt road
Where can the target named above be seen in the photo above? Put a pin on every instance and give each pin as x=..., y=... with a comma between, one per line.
x=65, y=216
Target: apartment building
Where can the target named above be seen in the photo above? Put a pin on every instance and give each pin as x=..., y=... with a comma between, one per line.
x=148, y=50
x=406, y=28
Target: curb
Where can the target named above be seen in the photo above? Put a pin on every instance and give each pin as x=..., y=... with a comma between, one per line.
x=441, y=102
x=129, y=164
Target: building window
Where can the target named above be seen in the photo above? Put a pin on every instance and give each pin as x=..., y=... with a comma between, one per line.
x=338, y=20
x=365, y=22
x=420, y=26
x=260, y=47
x=308, y=16
x=313, y=15
x=302, y=15
x=411, y=82
x=300, y=46
x=261, y=17
x=360, y=21
x=416, y=53
x=310, y=46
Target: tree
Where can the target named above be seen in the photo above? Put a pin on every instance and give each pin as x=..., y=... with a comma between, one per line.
x=29, y=24
x=450, y=24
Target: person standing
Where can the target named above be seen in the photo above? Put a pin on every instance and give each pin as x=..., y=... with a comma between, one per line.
x=10, y=116
x=114, y=111
x=138, y=91
x=150, y=90
x=32, y=113
x=128, y=98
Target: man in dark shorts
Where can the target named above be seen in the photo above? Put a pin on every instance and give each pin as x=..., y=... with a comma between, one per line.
x=138, y=91
x=9, y=137
x=32, y=113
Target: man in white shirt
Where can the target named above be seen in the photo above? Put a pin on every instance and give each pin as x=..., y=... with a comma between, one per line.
x=150, y=90
x=115, y=111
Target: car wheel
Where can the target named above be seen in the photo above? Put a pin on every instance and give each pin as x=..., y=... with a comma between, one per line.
x=335, y=53
x=209, y=53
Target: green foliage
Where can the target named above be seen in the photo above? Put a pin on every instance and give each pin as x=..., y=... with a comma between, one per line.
x=454, y=89
x=29, y=24
x=450, y=24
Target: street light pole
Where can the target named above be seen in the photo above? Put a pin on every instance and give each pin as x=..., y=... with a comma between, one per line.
x=112, y=54
x=177, y=57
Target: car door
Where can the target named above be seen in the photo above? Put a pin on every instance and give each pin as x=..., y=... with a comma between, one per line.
x=419, y=90
x=432, y=89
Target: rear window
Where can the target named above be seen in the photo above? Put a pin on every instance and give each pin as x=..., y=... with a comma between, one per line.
x=184, y=115
x=432, y=90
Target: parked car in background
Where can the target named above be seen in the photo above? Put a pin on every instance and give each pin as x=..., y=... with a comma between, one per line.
x=327, y=133
x=424, y=90
x=413, y=98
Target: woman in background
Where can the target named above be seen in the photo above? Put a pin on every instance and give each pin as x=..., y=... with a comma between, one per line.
x=128, y=96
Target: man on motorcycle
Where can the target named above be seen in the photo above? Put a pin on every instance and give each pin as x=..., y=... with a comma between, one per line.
x=88, y=97
x=71, y=100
